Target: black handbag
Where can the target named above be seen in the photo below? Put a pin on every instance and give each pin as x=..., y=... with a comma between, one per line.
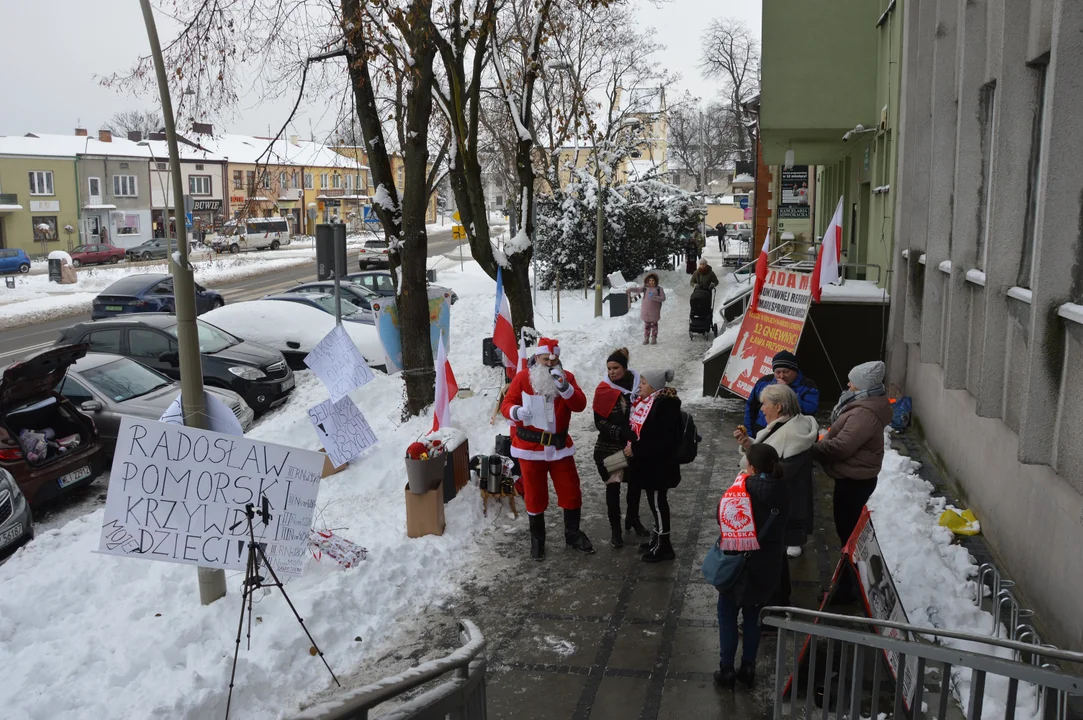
x=723, y=569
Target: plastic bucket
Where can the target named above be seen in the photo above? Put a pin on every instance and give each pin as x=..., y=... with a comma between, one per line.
x=424, y=475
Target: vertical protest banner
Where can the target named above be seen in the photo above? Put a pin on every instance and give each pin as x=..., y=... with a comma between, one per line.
x=343, y=429
x=387, y=327
x=338, y=362
x=774, y=326
x=178, y=494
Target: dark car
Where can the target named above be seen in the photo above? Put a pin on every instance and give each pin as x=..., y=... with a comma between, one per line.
x=148, y=293
x=380, y=282
x=156, y=249
x=357, y=294
x=96, y=254
x=326, y=303
x=257, y=373
x=16, y=520
x=46, y=443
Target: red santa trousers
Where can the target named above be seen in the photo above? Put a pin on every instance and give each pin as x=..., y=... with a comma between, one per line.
x=536, y=484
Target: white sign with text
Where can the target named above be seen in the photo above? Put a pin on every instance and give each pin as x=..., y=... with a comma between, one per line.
x=338, y=362
x=343, y=429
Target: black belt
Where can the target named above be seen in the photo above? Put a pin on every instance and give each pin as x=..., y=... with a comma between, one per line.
x=557, y=439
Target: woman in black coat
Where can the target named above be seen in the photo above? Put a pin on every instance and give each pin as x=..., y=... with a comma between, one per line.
x=652, y=455
x=763, y=569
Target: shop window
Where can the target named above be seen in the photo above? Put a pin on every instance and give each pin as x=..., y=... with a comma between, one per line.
x=44, y=228
x=41, y=182
x=124, y=186
x=125, y=223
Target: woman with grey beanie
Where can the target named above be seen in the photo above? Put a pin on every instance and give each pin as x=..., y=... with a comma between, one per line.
x=652, y=454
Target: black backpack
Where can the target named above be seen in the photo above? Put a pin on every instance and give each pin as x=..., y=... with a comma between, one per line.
x=690, y=439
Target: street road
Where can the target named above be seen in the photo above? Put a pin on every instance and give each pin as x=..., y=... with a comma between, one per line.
x=19, y=343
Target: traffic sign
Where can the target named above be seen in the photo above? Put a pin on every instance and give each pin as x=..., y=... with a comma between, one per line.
x=744, y=202
x=370, y=215
x=188, y=220
x=458, y=232
x=455, y=216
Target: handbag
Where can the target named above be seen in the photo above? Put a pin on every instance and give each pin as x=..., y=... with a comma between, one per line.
x=616, y=461
x=721, y=569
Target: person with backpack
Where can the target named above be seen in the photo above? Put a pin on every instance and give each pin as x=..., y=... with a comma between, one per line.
x=653, y=454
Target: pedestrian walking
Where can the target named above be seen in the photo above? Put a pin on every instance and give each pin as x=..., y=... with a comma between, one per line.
x=540, y=401
x=704, y=277
x=721, y=228
x=652, y=455
x=852, y=452
x=613, y=399
x=764, y=498
x=785, y=371
x=650, y=311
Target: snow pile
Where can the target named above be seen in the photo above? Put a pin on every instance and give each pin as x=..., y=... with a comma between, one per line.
x=723, y=343
x=935, y=577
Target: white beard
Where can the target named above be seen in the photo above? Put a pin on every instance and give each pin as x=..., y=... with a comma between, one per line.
x=542, y=381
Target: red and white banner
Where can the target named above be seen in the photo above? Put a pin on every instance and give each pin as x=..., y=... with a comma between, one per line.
x=775, y=325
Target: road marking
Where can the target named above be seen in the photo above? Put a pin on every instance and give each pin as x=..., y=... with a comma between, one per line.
x=28, y=350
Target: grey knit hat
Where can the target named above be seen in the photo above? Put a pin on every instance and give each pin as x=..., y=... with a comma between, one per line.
x=657, y=379
x=867, y=375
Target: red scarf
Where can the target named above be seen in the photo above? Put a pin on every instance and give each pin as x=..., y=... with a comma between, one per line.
x=640, y=411
x=608, y=393
x=735, y=518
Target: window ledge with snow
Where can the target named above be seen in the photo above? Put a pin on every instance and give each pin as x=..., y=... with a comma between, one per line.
x=945, y=267
x=906, y=253
x=1071, y=311
x=1020, y=293
x=975, y=276
x=921, y=259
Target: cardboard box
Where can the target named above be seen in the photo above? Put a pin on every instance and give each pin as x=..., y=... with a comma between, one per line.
x=424, y=512
x=329, y=468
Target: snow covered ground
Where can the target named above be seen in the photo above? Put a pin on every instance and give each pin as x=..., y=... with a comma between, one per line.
x=79, y=630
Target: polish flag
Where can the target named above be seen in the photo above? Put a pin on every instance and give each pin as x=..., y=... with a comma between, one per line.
x=446, y=388
x=826, y=271
x=761, y=272
x=503, y=330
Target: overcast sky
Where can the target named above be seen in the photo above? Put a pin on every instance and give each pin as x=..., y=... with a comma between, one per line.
x=53, y=51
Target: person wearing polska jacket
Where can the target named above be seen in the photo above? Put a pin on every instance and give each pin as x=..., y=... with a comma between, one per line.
x=652, y=455
x=650, y=312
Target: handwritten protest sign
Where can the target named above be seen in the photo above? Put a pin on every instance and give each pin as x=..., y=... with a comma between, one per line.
x=219, y=417
x=343, y=430
x=338, y=362
x=177, y=494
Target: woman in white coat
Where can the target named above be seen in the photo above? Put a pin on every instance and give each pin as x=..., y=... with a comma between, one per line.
x=792, y=435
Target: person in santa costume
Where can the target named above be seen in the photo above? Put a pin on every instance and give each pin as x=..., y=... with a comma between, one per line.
x=540, y=402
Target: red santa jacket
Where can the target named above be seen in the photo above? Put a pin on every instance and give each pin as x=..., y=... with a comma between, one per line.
x=575, y=401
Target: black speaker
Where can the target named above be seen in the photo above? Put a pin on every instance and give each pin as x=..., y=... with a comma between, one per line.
x=490, y=354
x=330, y=246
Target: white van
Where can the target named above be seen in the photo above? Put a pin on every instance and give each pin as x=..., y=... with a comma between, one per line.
x=252, y=234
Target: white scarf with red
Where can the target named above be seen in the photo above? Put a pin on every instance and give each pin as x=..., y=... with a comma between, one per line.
x=735, y=519
x=641, y=410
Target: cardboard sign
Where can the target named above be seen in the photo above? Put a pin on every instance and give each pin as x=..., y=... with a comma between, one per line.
x=338, y=362
x=774, y=326
x=343, y=430
x=178, y=494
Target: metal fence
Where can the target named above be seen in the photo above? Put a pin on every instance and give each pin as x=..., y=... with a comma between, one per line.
x=461, y=697
x=844, y=669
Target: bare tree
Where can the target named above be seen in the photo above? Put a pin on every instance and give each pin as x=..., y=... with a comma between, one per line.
x=144, y=122
x=702, y=139
x=731, y=55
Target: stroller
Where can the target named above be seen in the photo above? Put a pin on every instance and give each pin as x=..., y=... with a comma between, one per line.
x=701, y=312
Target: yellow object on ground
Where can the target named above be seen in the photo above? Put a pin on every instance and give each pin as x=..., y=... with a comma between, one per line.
x=960, y=524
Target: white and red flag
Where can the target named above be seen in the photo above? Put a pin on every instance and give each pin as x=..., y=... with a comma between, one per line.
x=761, y=272
x=503, y=330
x=446, y=388
x=826, y=271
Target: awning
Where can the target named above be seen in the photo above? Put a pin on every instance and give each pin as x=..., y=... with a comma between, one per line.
x=10, y=208
x=344, y=197
x=99, y=207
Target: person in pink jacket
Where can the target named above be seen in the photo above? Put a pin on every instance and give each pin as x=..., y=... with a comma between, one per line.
x=650, y=312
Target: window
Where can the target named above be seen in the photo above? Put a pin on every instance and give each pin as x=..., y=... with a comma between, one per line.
x=199, y=184
x=349, y=182
x=95, y=187
x=124, y=379
x=336, y=181
x=44, y=228
x=125, y=223
x=104, y=341
x=74, y=391
x=308, y=181
x=360, y=184
x=323, y=180
x=1030, y=237
x=199, y=168
x=149, y=344
x=283, y=181
x=238, y=180
x=41, y=182
x=985, y=121
x=250, y=179
x=124, y=166
x=165, y=287
x=293, y=179
x=265, y=180
x=163, y=167
x=399, y=176
x=124, y=186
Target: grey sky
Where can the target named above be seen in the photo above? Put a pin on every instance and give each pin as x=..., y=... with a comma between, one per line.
x=55, y=49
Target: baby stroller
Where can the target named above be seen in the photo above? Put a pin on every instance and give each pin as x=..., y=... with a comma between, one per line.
x=700, y=313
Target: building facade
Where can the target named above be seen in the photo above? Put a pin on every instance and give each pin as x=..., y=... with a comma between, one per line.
x=203, y=179
x=38, y=200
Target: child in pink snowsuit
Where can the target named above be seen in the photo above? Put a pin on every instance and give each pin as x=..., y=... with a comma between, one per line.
x=651, y=310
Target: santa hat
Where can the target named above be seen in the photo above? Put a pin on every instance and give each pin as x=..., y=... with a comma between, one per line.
x=547, y=346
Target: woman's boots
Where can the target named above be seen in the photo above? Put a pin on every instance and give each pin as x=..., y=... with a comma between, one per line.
x=661, y=552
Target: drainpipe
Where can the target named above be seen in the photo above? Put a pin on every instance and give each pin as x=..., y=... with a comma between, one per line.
x=78, y=204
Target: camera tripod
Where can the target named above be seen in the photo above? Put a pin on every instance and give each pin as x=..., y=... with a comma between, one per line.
x=253, y=581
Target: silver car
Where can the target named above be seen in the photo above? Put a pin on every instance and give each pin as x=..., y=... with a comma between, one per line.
x=108, y=386
x=16, y=525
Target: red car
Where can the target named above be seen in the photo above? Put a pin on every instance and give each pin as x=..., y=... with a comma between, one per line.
x=96, y=255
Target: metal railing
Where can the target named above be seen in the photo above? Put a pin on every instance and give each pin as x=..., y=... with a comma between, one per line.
x=854, y=647
x=461, y=697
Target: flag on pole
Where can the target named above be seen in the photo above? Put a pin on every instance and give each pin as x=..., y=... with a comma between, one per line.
x=503, y=330
x=761, y=272
x=446, y=388
x=826, y=271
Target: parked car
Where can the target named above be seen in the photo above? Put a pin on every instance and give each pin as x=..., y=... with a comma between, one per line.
x=14, y=260
x=68, y=452
x=374, y=252
x=257, y=373
x=325, y=302
x=357, y=294
x=16, y=520
x=147, y=293
x=154, y=249
x=252, y=234
x=739, y=230
x=380, y=282
x=108, y=386
x=97, y=254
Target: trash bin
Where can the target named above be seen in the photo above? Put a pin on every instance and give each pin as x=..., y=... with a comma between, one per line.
x=425, y=475
x=618, y=303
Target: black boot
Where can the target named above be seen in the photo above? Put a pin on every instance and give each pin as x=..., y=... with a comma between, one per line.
x=746, y=674
x=612, y=503
x=725, y=677
x=645, y=547
x=661, y=552
x=573, y=536
x=537, y=536
x=632, y=523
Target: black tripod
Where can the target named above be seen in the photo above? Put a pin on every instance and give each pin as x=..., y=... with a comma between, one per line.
x=254, y=581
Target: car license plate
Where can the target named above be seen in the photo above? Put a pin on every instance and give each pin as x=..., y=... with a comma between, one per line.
x=288, y=384
x=114, y=308
x=11, y=534
x=74, y=477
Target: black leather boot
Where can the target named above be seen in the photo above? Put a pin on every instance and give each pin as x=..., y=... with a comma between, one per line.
x=633, y=523
x=725, y=677
x=746, y=674
x=660, y=552
x=537, y=536
x=573, y=536
x=612, y=503
x=645, y=547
